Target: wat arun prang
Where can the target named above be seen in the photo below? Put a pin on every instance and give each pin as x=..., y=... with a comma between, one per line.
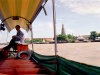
x=63, y=30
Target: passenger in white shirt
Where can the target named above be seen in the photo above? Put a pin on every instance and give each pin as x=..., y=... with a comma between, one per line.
x=18, y=37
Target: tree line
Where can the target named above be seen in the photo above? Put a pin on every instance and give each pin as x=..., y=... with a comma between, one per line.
x=94, y=35
x=63, y=38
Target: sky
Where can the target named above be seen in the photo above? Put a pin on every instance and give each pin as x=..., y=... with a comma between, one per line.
x=79, y=17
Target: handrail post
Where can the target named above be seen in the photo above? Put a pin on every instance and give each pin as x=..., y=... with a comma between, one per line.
x=55, y=36
x=30, y=27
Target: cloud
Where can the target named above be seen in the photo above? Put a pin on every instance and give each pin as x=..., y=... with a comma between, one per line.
x=49, y=3
x=69, y=31
x=66, y=20
x=82, y=6
x=3, y=36
x=42, y=25
x=43, y=29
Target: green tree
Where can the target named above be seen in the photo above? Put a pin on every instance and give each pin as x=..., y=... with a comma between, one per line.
x=65, y=38
x=98, y=35
x=71, y=38
x=38, y=41
x=26, y=41
x=62, y=38
x=93, y=35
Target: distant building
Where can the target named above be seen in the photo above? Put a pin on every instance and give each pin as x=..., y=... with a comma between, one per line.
x=80, y=38
x=47, y=39
x=97, y=39
x=63, y=30
x=28, y=39
x=84, y=38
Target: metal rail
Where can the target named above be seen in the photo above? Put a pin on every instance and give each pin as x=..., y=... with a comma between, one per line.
x=55, y=37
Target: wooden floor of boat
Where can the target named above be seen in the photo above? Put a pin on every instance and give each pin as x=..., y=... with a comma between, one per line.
x=21, y=67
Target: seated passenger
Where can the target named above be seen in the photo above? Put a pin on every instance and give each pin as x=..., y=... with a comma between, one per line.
x=18, y=37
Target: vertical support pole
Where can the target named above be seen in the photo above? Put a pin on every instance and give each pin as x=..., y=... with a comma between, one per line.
x=55, y=37
x=30, y=27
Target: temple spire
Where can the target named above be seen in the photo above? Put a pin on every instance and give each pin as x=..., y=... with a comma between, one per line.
x=63, y=29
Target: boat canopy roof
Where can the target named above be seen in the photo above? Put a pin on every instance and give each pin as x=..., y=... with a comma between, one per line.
x=19, y=12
